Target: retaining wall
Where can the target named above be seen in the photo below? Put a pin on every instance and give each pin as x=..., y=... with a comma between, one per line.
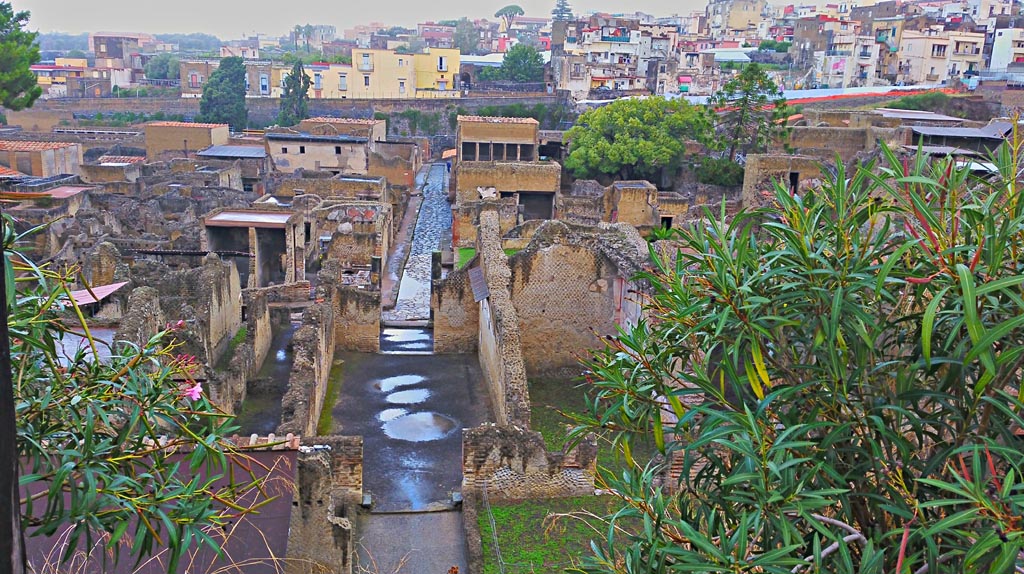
x=313, y=346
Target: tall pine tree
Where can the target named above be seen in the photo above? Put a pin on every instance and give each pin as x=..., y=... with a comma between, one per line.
x=295, y=99
x=18, y=51
x=562, y=11
x=224, y=96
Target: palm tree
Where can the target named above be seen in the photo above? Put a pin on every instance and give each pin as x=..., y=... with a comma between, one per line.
x=307, y=32
x=296, y=33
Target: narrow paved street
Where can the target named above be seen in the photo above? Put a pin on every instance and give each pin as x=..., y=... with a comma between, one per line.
x=435, y=217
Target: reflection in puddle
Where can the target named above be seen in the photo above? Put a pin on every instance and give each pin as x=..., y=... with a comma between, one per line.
x=406, y=335
x=281, y=356
x=419, y=427
x=389, y=414
x=389, y=384
x=408, y=397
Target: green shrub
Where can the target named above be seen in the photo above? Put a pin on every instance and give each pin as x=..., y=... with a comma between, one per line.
x=719, y=171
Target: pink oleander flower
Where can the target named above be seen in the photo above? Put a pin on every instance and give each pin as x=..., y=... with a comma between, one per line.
x=194, y=393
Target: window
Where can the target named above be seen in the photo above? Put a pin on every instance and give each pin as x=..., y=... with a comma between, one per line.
x=337, y=150
x=284, y=78
x=302, y=149
x=264, y=84
x=401, y=62
x=318, y=81
x=343, y=82
x=366, y=81
x=442, y=85
x=401, y=86
x=193, y=80
x=284, y=150
x=442, y=64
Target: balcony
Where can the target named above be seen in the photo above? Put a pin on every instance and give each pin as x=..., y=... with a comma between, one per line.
x=882, y=38
x=838, y=53
x=620, y=39
x=863, y=54
x=365, y=66
x=932, y=78
x=967, y=52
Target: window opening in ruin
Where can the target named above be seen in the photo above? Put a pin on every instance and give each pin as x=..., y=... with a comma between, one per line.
x=794, y=181
x=309, y=231
x=302, y=149
x=337, y=150
x=666, y=223
x=284, y=150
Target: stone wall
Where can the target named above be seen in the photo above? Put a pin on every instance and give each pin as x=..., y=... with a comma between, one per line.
x=571, y=286
x=456, y=314
x=501, y=357
x=228, y=386
x=98, y=173
x=505, y=176
x=398, y=162
x=513, y=463
x=313, y=345
x=356, y=316
x=329, y=485
x=763, y=170
x=826, y=142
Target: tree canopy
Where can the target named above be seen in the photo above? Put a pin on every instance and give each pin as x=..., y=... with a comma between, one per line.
x=467, y=37
x=522, y=63
x=632, y=138
x=18, y=52
x=295, y=99
x=223, y=99
x=748, y=112
x=163, y=67
x=508, y=15
x=834, y=378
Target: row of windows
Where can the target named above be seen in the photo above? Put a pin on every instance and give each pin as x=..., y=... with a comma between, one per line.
x=302, y=149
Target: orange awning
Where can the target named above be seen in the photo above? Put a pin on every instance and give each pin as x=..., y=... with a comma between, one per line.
x=449, y=153
x=84, y=297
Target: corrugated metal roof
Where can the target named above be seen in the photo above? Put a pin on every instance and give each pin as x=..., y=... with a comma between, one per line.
x=84, y=297
x=234, y=151
x=261, y=219
x=304, y=137
x=938, y=131
x=915, y=115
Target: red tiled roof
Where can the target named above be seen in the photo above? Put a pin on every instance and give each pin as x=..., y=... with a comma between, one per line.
x=121, y=159
x=185, y=125
x=11, y=145
x=497, y=120
x=8, y=172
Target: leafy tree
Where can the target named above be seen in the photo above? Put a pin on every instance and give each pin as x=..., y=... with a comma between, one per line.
x=295, y=99
x=634, y=138
x=223, y=99
x=562, y=11
x=89, y=431
x=163, y=67
x=467, y=37
x=193, y=42
x=508, y=15
x=522, y=64
x=836, y=379
x=18, y=52
x=59, y=41
x=748, y=112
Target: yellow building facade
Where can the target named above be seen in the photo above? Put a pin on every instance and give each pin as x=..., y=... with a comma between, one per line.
x=385, y=74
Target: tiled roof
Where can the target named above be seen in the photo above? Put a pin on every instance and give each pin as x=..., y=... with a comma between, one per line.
x=11, y=145
x=121, y=159
x=185, y=125
x=355, y=121
x=8, y=172
x=497, y=120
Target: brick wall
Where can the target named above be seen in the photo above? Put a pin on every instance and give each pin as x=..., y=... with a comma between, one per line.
x=763, y=170
x=513, y=463
x=505, y=176
x=826, y=142
x=456, y=314
x=356, y=318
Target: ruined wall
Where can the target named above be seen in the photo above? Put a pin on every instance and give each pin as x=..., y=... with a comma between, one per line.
x=359, y=230
x=513, y=463
x=97, y=174
x=398, y=162
x=763, y=170
x=826, y=142
x=356, y=317
x=143, y=318
x=501, y=357
x=228, y=385
x=456, y=314
x=313, y=345
x=329, y=485
x=505, y=176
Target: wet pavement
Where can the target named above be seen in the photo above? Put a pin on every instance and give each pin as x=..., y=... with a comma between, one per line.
x=408, y=341
x=434, y=219
x=70, y=344
x=410, y=410
x=261, y=409
x=416, y=543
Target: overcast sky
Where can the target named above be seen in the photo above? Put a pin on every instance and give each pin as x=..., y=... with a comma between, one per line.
x=230, y=19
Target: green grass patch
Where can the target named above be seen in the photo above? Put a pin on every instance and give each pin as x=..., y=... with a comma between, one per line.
x=510, y=252
x=463, y=256
x=549, y=398
x=233, y=345
x=325, y=424
x=530, y=542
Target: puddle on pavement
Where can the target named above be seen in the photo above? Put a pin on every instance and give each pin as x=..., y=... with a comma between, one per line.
x=390, y=414
x=391, y=383
x=69, y=346
x=419, y=427
x=408, y=397
x=406, y=335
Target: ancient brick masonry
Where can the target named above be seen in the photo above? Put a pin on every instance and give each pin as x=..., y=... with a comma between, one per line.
x=311, y=369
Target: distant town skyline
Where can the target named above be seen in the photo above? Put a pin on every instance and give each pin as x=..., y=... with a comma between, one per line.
x=233, y=19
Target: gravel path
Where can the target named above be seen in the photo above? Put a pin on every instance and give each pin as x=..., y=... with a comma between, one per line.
x=435, y=217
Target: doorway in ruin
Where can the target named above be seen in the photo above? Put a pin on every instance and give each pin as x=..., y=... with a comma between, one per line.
x=537, y=204
x=232, y=239
x=271, y=247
